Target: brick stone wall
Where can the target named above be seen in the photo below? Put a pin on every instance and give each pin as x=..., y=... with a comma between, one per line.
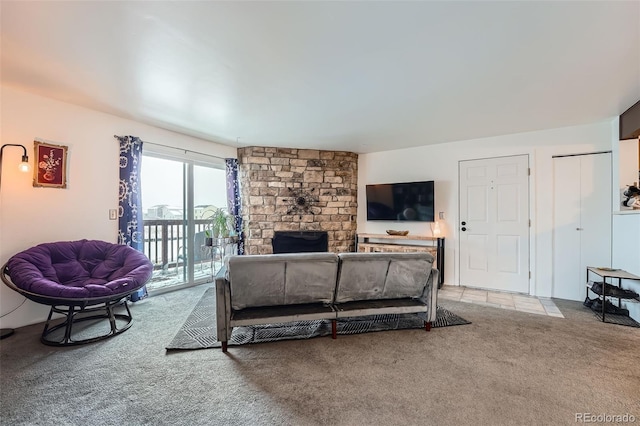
x=287, y=189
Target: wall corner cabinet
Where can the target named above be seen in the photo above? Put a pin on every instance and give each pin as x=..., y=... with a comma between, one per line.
x=372, y=243
x=603, y=293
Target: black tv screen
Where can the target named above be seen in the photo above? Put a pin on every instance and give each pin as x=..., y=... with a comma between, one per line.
x=410, y=201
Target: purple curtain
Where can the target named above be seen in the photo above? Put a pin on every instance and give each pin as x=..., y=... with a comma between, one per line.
x=234, y=203
x=131, y=231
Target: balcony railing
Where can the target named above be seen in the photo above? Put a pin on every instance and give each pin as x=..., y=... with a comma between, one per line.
x=164, y=241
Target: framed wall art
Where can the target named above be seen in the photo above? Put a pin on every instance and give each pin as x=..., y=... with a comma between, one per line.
x=50, y=169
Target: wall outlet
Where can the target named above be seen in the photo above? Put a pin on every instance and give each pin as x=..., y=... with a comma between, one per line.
x=441, y=215
x=113, y=214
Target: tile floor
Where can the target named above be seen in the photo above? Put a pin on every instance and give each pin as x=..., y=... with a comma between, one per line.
x=496, y=299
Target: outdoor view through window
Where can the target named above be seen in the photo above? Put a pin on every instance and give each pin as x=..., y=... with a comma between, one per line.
x=164, y=185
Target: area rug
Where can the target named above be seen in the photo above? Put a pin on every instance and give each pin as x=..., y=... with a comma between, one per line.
x=199, y=330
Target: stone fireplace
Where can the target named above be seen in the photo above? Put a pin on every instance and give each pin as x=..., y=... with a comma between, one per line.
x=286, y=189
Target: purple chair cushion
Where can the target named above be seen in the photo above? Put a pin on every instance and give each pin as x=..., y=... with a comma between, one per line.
x=79, y=269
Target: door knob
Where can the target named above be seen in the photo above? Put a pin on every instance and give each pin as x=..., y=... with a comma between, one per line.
x=578, y=229
x=464, y=229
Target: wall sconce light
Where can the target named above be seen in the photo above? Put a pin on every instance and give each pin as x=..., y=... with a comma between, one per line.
x=23, y=166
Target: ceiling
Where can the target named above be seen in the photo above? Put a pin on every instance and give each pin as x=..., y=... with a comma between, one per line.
x=356, y=76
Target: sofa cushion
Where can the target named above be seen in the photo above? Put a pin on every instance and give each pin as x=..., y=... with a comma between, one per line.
x=282, y=279
x=80, y=269
x=369, y=276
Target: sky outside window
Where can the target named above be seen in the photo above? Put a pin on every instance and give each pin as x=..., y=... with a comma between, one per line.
x=162, y=183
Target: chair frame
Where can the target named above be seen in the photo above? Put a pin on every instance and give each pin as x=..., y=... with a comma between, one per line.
x=75, y=307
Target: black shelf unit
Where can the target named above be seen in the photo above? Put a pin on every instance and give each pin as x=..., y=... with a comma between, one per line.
x=612, y=275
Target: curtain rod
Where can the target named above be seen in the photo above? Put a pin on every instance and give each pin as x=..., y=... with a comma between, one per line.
x=179, y=149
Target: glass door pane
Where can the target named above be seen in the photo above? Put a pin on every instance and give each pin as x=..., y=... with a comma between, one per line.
x=209, y=194
x=165, y=225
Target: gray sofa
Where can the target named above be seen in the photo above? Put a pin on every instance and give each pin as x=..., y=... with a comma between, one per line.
x=277, y=288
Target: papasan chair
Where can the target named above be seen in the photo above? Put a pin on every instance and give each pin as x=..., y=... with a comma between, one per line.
x=83, y=280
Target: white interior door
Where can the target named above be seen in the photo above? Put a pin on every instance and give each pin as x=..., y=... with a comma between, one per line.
x=595, y=215
x=566, y=227
x=581, y=221
x=494, y=223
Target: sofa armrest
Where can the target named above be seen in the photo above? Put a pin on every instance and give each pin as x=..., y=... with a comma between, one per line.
x=430, y=295
x=223, y=308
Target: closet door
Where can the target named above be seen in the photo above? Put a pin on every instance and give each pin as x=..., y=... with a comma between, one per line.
x=566, y=225
x=582, y=221
x=595, y=217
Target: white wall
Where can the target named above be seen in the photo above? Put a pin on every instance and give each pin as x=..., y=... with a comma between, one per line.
x=29, y=216
x=626, y=254
x=628, y=165
x=440, y=163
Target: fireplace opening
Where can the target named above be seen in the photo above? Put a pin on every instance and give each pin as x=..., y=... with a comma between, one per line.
x=300, y=241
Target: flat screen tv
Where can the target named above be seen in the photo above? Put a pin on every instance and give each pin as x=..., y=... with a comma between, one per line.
x=409, y=201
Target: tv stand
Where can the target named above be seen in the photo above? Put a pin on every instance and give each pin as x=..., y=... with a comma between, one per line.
x=370, y=243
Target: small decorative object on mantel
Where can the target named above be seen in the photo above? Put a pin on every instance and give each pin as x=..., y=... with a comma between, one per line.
x=399, y=233
x=50, y=165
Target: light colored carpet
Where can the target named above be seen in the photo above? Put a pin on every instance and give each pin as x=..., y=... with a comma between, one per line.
x=506, y=368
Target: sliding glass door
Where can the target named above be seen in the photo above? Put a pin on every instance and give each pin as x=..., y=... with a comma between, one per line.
x=178, y=198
